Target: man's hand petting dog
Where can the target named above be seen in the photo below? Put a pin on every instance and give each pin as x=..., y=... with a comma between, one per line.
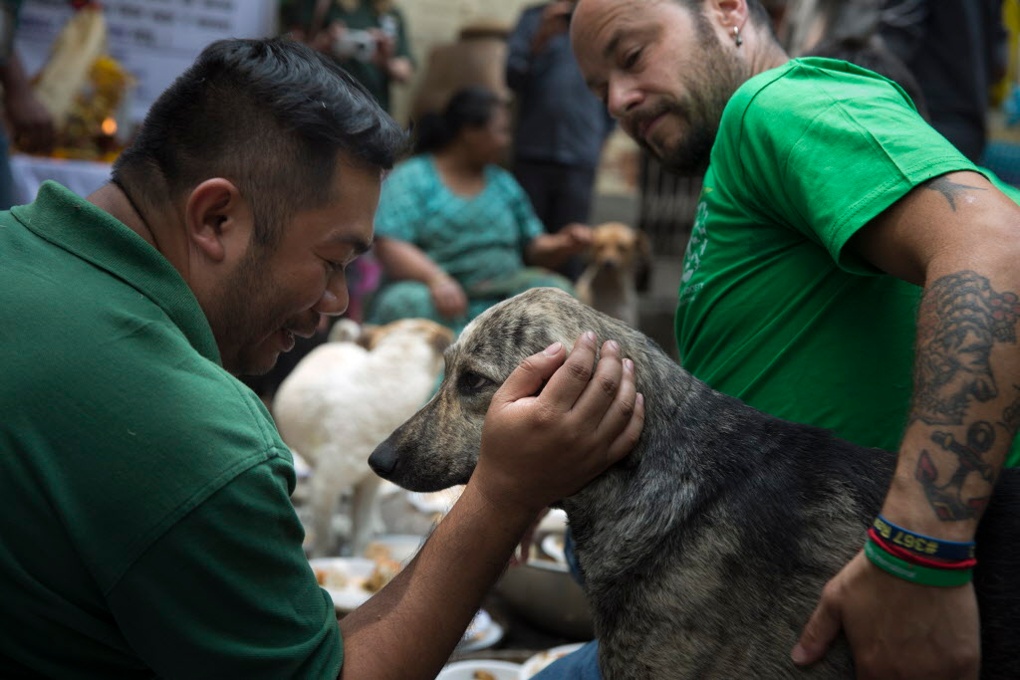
x=861, y=599
x=539, y=449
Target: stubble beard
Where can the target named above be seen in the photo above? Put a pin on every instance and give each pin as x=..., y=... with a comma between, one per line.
x=244, y=305
x=713, y=88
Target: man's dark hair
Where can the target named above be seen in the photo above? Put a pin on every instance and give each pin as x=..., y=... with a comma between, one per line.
x=272, y=116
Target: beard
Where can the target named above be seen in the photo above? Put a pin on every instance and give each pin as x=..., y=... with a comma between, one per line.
x=247, y=314
x=712, y=84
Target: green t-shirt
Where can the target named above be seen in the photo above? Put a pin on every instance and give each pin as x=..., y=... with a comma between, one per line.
x=147, y=528
x=773, y=309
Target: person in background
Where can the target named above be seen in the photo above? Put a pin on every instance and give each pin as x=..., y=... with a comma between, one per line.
x=957, y=49
x=368, y=38
x=560, y=128
x=455, y=233
x=148, y=529
x=848, y=268
x=29, y=123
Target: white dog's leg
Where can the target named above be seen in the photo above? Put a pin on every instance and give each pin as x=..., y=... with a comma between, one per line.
x=366, y=515
x=323, y=499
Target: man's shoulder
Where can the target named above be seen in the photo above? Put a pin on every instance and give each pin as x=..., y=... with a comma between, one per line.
x=795, y=86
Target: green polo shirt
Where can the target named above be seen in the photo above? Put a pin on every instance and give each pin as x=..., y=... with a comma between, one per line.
x=147, y=528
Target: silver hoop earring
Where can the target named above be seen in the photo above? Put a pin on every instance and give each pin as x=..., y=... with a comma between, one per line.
x=736, y=36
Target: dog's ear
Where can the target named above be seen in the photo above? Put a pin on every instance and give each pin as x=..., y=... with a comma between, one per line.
x=344, y=330
x=441, y=338
x=369, y=335
x=643, y=262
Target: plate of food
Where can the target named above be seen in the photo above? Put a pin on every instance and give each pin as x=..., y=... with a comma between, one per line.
x=553, y=547
x=480, y=669
x=539, y=661
x=481, y=633
x=350, y=581
x=435, y=502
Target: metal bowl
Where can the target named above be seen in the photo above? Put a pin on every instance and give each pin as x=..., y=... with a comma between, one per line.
x=544, y=594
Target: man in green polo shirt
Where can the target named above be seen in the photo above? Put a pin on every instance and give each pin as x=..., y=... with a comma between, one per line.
x=147, y=528
x=847, y=268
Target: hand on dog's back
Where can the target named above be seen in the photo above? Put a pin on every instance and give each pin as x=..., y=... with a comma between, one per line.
x=537, y=450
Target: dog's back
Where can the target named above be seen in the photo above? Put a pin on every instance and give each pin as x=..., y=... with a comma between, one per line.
x=705, y=551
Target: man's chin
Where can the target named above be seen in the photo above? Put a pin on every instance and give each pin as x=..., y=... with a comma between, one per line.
x=254, y=364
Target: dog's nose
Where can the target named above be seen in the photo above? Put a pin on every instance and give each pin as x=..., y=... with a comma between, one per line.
x=383, y=460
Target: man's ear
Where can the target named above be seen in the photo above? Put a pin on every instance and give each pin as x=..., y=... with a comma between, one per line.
x=729, y=13
x=217, y=219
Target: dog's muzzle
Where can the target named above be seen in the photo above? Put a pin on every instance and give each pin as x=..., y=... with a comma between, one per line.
x=383, y=460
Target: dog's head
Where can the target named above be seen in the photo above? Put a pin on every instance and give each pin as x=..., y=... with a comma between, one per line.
x=397, y=332
x=438, y=446
x=617, y=246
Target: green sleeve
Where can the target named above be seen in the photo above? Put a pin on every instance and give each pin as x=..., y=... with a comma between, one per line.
x=228, y=593
x=403, y=42
x=826, y=150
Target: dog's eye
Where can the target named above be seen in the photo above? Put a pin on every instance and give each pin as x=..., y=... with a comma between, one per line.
x=471, y=382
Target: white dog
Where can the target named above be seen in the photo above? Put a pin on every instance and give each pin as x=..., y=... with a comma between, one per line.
x=345, y=397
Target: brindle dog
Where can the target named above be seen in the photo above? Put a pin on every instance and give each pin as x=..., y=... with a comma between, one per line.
x=705, y=550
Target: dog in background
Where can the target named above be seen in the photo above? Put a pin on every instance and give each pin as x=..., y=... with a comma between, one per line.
x=618, y=268
x=345, y=397
x=705, y=550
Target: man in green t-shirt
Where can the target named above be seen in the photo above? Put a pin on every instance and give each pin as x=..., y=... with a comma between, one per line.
x=836, y=233
x=147, y=528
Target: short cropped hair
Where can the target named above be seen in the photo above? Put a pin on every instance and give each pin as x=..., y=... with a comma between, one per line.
x=273, y=116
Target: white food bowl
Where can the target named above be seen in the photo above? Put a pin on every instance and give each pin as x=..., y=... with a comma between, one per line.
x=466, y=670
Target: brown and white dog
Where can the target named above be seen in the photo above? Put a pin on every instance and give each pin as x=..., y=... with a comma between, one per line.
x=345, y=397
x=619, y=264
x=705, y=550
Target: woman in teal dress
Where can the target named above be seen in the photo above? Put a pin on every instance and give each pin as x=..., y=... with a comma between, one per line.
x=455, y=233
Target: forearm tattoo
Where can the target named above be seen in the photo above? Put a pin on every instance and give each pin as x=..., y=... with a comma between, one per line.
x=960, y=320
x=950, y=189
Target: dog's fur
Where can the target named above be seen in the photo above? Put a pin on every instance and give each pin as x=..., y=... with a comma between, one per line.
x=618, y=268
x=344, y=398
x=705, y=550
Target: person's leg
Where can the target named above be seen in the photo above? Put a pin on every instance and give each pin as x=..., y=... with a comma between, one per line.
x=574, y=186
x=404, y=300
x=581, y=665
x=538, y=182
x=500, y=288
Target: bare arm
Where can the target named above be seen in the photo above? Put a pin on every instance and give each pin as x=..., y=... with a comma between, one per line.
x=409, y=629
x=31, y=122
x=403, y=260
x=959, y=237
x=552, y=250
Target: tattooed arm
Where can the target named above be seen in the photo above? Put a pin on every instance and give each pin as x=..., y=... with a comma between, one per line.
x=959, y=238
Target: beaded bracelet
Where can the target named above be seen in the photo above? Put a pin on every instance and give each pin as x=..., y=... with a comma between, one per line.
x=937, y=548
x=925, y=576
